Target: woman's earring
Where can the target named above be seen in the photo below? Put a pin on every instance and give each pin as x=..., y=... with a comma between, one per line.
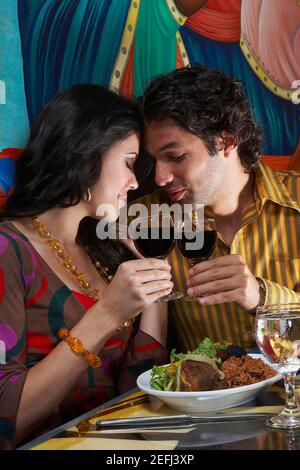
x=89, y=195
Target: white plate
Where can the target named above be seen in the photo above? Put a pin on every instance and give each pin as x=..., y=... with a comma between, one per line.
x=207, y=401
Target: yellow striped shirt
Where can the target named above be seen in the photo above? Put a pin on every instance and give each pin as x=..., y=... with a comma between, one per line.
x=268, y=240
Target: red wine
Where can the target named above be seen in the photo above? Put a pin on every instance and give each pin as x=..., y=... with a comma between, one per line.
x=155, y=247
x=209, y=244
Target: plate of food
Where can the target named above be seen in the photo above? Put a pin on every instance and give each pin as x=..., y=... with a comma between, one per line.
x=212, y=377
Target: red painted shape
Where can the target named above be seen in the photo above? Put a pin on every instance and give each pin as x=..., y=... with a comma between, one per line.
x=10, y=152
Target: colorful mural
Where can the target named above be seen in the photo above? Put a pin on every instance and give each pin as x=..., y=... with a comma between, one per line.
x=51, y=44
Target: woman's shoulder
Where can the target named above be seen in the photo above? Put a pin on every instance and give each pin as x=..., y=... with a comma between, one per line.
x=12, y=242
x=9, y=230
x=8, y=226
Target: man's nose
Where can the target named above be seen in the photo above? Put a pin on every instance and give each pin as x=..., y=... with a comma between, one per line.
x=163, y=175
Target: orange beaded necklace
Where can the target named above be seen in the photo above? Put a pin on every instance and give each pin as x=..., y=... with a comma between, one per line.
x=70, y=268
x=67, y=263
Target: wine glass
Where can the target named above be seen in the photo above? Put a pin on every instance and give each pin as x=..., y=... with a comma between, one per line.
x=278, y=338
x=196, y=228
x=156, y=240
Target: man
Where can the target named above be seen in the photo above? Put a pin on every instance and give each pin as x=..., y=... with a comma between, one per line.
x=206, y=147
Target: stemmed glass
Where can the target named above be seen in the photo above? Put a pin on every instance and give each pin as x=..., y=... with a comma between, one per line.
x=156, y=240
x=191, y=230
x=278, y=338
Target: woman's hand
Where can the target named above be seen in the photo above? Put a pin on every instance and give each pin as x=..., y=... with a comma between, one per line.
x=136, y=285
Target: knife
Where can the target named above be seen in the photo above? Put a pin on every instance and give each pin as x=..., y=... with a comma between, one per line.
x=176, y=421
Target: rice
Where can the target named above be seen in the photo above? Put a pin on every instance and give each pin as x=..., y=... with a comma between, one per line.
x=245, y=370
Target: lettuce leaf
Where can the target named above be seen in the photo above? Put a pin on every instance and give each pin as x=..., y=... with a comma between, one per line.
x=163, y=377
x=205, y=348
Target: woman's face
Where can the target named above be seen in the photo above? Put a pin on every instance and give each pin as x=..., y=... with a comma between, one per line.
x=116, y=179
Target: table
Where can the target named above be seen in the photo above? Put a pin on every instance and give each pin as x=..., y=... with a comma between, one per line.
x=81, y=433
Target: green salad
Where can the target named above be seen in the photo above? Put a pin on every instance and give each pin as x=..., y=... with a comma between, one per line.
x=164, y=377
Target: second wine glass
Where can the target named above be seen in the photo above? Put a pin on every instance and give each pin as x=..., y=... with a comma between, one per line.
x=197, y=229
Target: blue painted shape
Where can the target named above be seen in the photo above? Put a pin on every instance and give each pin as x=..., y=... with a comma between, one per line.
x=7, y=174
x=14, y=127
x=67, y=42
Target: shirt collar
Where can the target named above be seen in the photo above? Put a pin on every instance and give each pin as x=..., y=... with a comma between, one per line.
x=269, y=185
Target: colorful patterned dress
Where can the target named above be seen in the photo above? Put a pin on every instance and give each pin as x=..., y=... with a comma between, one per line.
x=34, y=304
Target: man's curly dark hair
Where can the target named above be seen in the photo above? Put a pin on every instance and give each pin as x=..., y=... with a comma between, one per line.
x=209, y=104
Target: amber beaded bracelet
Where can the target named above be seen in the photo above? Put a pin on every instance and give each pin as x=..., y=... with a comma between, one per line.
x=77, y=347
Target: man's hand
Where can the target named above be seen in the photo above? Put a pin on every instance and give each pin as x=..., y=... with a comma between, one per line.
x=224, y=279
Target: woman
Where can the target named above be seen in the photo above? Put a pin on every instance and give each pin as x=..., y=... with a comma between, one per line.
x=81, y=154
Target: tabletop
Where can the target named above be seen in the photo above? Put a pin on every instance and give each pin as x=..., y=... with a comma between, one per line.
x=81, y=433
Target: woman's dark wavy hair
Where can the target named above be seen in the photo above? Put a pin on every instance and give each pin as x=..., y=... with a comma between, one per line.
x=64, y=154
x=206, y=102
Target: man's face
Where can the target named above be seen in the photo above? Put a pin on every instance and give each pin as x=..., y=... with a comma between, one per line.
x=183, y=165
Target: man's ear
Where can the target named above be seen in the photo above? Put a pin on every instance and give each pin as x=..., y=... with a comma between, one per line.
x=229, y=141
